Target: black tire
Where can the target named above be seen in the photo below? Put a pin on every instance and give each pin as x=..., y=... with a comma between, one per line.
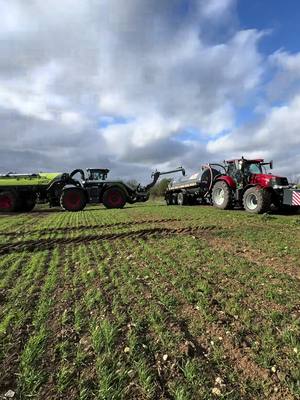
x=257, y=200
x=114, y=198
x=192, y=201
x=73, y=199
x=174, y=199
x=181, y=199
x=8, y=201
x=222, y=196
x=168, y=200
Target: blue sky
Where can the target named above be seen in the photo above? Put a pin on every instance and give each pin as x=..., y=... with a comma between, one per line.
x=140, y=85
x=280, y=17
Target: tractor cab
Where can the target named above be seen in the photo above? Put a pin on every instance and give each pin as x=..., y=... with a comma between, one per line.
x=97, y=174
x=243, y=171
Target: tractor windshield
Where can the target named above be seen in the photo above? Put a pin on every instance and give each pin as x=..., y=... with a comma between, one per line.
x=254, y=168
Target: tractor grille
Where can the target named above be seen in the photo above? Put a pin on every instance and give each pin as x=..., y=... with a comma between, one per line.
x=280, y=181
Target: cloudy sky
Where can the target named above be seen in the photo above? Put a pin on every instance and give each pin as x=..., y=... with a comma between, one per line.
x=137, y=85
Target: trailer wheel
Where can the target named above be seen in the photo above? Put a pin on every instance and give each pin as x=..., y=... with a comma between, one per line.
x=8, y=201
x=168, y=200
x=174, y=199
x=114, y=198
x=73, y=199
x=222, y=196
x=256, y=200
x=181, y=199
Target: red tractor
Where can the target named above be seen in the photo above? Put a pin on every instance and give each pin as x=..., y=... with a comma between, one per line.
x=247, y=183
x=242, y=183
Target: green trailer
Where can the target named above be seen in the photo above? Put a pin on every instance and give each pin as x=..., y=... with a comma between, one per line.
x=21, y=192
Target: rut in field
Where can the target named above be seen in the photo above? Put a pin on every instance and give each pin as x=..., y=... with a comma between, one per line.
x=42, y=244
x=80, y=228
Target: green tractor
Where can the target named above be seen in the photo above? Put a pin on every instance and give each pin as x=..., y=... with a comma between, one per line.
x=21, y=192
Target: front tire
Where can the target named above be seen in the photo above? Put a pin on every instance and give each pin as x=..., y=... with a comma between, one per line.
x=222, y=196
x=256, y=200
x=114, y=198
x=73, y=199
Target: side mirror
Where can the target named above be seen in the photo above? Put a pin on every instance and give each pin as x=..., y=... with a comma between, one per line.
x=271, y=164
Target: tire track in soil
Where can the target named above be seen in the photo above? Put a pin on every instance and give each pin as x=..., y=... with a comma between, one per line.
x=10, y=364
x=85, y=227
x=50, y=244
x=239, y=361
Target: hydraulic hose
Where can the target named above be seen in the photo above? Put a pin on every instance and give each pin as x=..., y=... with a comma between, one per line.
x=78, y=171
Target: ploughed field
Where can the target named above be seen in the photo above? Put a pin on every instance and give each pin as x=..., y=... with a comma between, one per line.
x=149, y=302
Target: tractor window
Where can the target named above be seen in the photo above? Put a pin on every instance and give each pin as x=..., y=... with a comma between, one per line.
x=96, y=176
x=231, y=169
x=255, y=169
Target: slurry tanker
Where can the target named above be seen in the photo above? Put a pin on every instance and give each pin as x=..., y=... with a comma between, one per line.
x=239, y=182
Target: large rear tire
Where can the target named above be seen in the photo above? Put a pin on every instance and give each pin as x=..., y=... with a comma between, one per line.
x=114, y=198
x=8, y=201
x=73, y=199
x=222, y=196
x=257, y=200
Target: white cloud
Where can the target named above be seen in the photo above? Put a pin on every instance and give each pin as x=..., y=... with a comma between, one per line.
x=276, y=136
x=110, y=81
x=216, y=8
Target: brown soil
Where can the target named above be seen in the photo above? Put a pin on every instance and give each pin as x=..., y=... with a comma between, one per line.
x=283, y=265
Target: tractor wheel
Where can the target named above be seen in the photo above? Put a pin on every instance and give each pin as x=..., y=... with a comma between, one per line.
x=8, y=201
x=73, y=199
x=181, y=199
x=114, y=198
x=222, y=196
x=256, y=200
